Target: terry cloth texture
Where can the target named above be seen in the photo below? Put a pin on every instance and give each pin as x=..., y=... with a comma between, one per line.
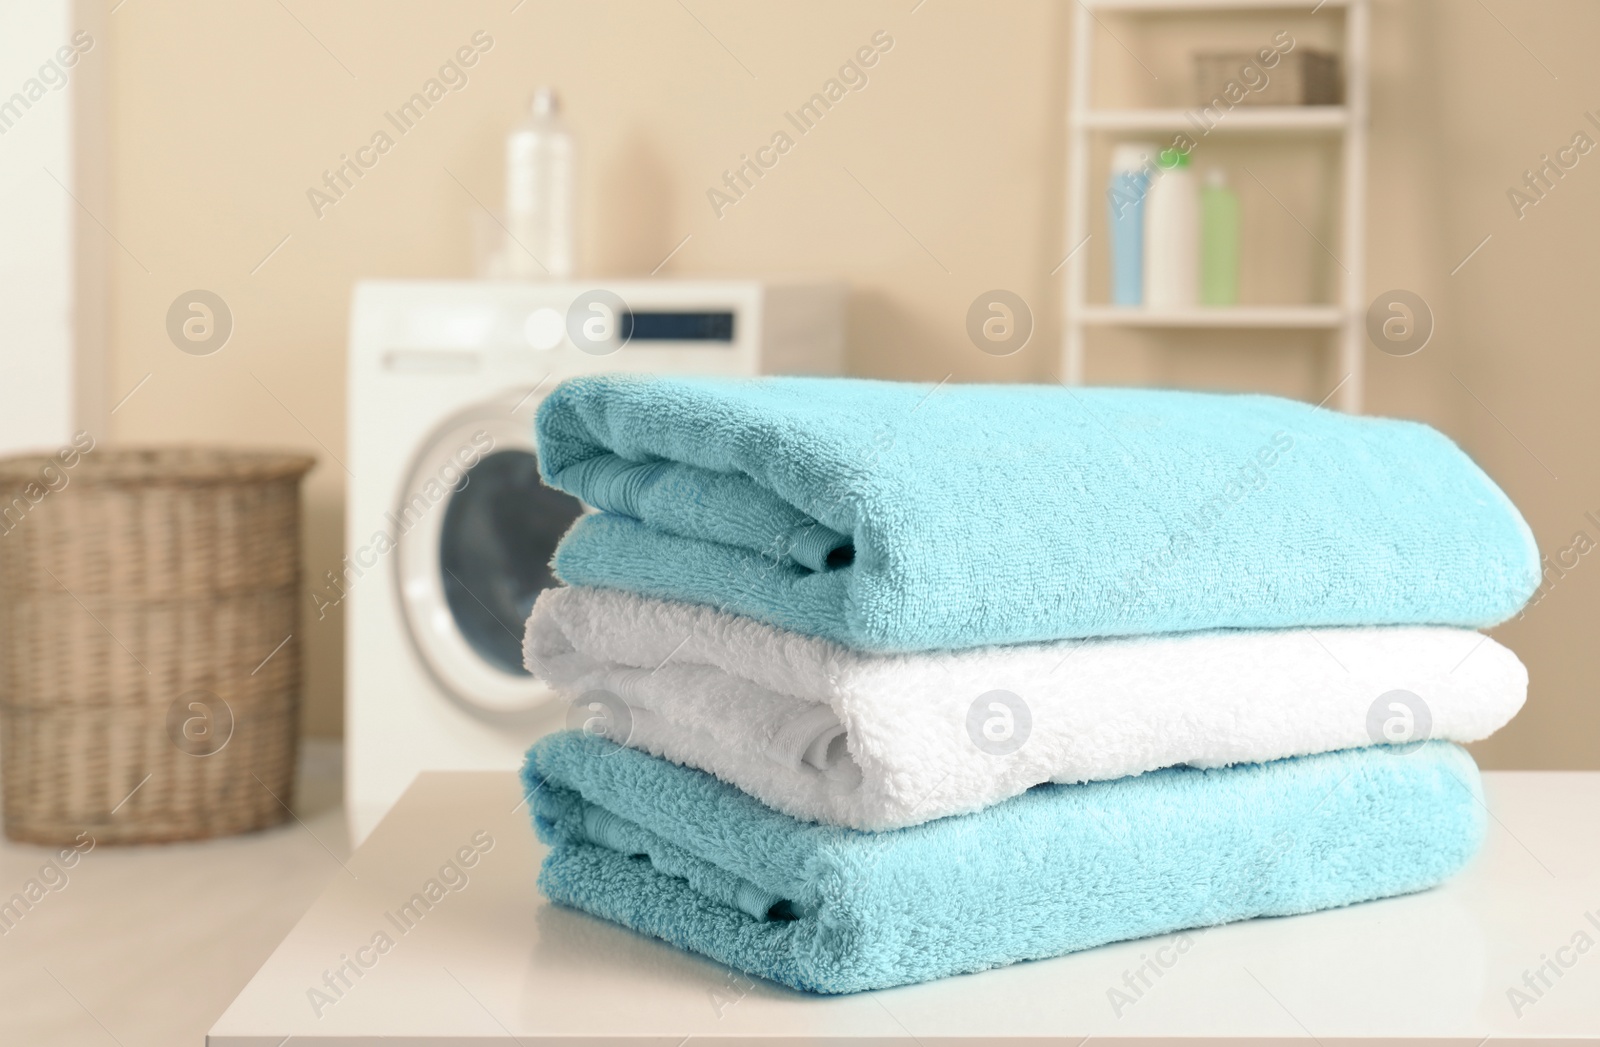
x=900, y=517
x=672, y=852
x=879, y=741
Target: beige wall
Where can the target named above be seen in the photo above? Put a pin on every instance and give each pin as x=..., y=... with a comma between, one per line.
x=941, y=179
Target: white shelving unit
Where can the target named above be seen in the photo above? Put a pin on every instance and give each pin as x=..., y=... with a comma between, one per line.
x=1309, y=118
x=1348, y=121
x=1309, y=317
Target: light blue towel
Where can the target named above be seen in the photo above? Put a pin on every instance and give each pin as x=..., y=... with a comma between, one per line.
x=889, y=516
x=675, y=853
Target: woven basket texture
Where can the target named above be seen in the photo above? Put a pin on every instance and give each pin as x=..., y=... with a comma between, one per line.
x=147, y=689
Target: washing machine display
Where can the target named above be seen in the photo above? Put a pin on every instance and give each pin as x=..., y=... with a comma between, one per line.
x=444, y=381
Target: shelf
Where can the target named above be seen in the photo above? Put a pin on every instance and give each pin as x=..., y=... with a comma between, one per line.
x=1333, y=128
x=1210, y=5
x=1280, y=317
x=1310, y=118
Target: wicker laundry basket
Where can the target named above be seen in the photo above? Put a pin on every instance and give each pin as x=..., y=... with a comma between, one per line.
x=147, y=688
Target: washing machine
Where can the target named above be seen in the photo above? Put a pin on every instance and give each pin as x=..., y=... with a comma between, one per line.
x=449, y=531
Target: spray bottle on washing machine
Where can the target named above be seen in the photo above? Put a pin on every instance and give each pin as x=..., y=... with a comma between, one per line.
x=540, y=193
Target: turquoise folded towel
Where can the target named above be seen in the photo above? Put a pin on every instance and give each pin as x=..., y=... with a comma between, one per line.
x=675, y=853
x=900, y=517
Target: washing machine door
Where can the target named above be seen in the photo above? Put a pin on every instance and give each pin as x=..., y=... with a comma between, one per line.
x=476, y=529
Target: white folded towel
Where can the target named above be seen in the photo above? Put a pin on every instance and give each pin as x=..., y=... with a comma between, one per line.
x=876, y=741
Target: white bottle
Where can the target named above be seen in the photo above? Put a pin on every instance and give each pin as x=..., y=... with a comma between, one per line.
x=539, y=193
x=1172, y=235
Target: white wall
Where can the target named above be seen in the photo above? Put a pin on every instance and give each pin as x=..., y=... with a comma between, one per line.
x=52, y=372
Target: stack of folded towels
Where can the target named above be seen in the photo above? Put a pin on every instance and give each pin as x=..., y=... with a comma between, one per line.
x=891, y=683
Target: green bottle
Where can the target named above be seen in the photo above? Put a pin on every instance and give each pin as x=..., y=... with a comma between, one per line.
x=1219, y=241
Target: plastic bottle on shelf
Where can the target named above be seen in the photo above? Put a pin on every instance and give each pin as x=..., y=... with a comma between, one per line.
x=1172, y=234
x=1219, y=241
x=1130, y=181
x=539, y=193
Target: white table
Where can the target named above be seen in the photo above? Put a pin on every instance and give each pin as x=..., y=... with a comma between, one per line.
x=493, y=963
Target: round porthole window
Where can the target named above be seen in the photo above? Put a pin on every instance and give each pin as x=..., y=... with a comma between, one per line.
x=476, y=531
x=500, y=528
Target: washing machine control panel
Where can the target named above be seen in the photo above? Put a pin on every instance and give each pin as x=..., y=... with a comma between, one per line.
x=545, y=328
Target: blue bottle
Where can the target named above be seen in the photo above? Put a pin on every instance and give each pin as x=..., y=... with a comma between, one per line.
x=1130, y=181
